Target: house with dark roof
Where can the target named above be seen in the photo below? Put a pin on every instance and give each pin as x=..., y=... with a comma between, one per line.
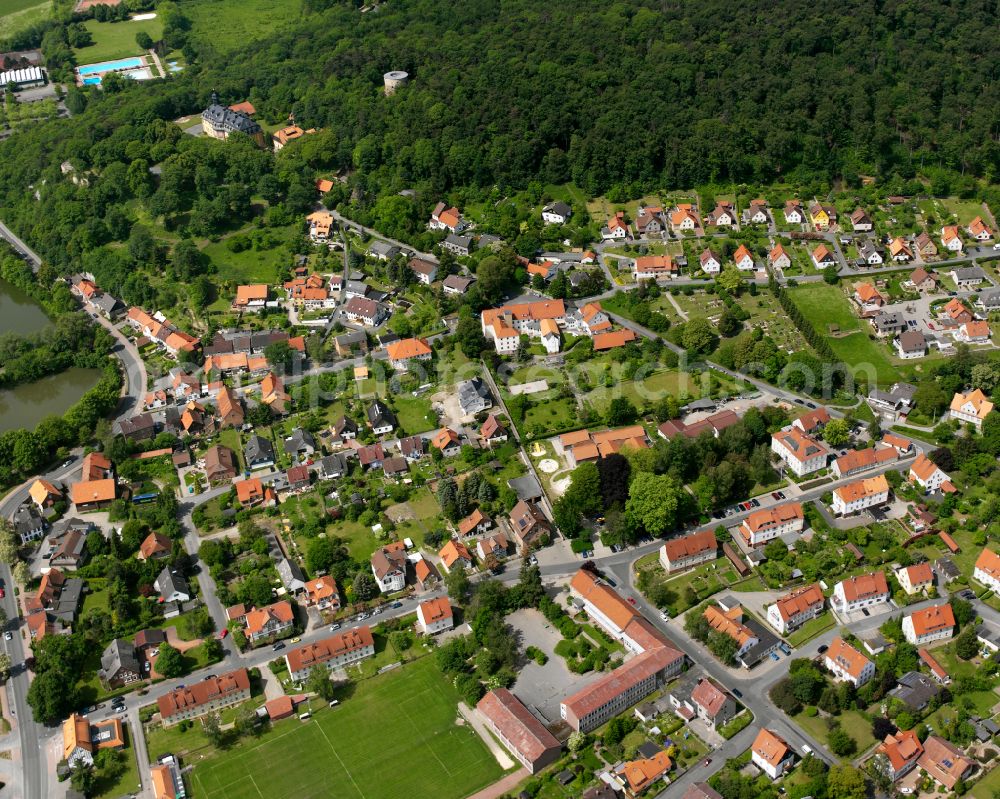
x=258, y=452
x=381, y=419
x=474, y=396
x=915, y=690
x=119, y=665
x=333, y=466
x=300, y=443
x=172, y=586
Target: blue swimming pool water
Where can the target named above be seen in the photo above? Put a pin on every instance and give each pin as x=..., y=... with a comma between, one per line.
x=109, y=66
x=92, y=81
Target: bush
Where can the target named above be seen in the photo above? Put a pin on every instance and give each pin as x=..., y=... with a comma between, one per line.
x=811, y=711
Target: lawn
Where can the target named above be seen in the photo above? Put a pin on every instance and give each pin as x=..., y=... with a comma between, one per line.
x=650, y=389
x=116, y=39
x=253, y=265
x=15, y=15
x=127, y=782
x=866, y=358
x=405, y=718
x=230, y=437
x=825, y=305
x=811, y=629
x=230, y=24
x=414, y=414
x=988, y=786
x=549, y=417
x=852, y=722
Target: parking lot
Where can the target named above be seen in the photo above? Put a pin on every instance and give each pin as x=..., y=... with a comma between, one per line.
x=541, y=688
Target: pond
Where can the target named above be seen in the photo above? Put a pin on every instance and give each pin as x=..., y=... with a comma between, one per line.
x=19, y=313
x=29, y=403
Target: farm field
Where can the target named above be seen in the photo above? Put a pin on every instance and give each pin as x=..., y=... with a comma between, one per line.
x=116, y=39
x=343, y=751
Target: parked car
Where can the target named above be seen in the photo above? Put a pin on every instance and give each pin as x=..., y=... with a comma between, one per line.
x=707, y=762
x=754, y=503
x=224, y=633
x=774, y=656
x=631, y=600
x=334, y=626
x=397, y=604
x=737, y=693
x=296, y=639
x=822, y=649
x=278, y=646
x=7, y=635
x=781, y=495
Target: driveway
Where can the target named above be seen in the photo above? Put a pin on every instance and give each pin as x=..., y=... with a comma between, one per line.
x=541, y=688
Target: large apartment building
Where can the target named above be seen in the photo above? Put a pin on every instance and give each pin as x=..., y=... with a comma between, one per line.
x=796, y=608
x=847, y=663
x=769, y=523
x=688, y=550
x=861, y=591
x=334, y=652
x=859, y=495
x=655, y=661
x=505, y=325
x=800, y=453
x=212, y=693
x=929, y=624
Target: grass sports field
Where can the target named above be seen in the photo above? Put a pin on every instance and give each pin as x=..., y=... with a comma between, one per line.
x=394, y=738
x=15, y=15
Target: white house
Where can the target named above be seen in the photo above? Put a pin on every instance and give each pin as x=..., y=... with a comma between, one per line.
x=972, y=407
x=557, y=213
x=688, y=550
x=771, y=754
x=743, y=259
x=769, y=523
x=987, y=569
x=911, y=344
x=710, y=263
x=796, y=608
x=616, y=229
x=929, y=624
x=855, y=497
x=550, y=336
x=800, y=453
x=793, y=213
x=847, y=663
x=778, y=258
x=916, y=578
x=951, y=239
x=925, y=473
x=869, y=254
x=434, y=616
x=861, y=591
x=389, y=567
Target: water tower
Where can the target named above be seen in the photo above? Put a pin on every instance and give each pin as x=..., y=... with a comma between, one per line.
x=393, y=80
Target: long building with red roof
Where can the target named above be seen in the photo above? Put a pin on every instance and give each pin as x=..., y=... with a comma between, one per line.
x=655, y=662
x=338, y=650
x=524, y=736
x=213, y=693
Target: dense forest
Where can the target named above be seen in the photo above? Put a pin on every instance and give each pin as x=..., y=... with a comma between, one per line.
x=618, y=98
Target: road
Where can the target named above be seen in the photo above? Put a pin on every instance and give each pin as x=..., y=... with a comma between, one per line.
x=34, y=769
x=133, y=399
x=22, y=249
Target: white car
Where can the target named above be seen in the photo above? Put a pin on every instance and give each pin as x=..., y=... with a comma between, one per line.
x=664, y=616
x=8, y=635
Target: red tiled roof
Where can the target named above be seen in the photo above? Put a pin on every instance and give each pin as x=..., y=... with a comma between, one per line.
x=516, y=724
x=200, y=693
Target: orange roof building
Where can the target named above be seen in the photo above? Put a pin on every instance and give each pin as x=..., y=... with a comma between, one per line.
x=91, y=494
x=613, y=340
x=252, y=295
x=342, y=649
x=861, y=494
x=408, y=349
x=435, y=615
x=155, y=546
x=770, y=753
x=323, y=593
x=455, y=553
x=929, y=624
x=43, y=493
x=211, y=694
x=769, y=523
x=987, y=569
x=796, y=608
x=898, y=753
x=446, y=440
x=915, y=578
x=688, y=550
x=860, y=591
x=945, y=762
x=657, y=660
x=972, y=407
x=269, y=621
x=641, y=774
x=847, y=663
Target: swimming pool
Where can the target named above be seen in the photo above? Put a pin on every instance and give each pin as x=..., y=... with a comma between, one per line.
x=110, y=66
